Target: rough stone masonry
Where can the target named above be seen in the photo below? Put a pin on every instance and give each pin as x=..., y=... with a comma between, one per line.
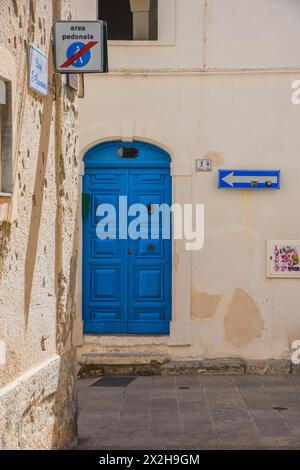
x=38, y=239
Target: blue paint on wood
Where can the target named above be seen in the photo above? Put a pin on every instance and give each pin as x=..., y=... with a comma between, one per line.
x=249, y=179
x=126, y=282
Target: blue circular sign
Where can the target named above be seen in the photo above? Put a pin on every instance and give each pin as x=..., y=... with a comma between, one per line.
x=82, y=60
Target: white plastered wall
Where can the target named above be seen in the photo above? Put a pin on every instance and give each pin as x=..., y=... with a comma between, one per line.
x=222, y=92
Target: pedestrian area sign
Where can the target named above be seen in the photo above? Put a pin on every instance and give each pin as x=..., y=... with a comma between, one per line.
x=80, y=46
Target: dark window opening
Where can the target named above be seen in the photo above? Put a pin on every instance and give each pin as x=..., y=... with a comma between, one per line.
x=129, y=20
x=6, y=137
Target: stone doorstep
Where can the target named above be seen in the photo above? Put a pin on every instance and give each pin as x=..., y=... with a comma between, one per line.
x=228, y=366
x=122, y=359
x=160, y=364
x=271, y=367
x=295, y=368
x=207, y=366
x=125, y=341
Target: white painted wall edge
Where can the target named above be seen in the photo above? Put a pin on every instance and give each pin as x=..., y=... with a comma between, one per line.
x=239, y=71
x=52, y=363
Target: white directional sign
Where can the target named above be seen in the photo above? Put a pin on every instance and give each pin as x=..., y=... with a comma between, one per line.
x=249, y=179
x=79, y=46
x=38, y=71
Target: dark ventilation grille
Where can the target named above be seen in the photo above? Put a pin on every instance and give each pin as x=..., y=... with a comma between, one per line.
x=128, y=152
x=120, y=382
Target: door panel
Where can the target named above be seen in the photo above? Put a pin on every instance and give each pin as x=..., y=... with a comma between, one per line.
x=104, y=261
x=104, y=248
x=106, y=283
x=149, y=284
x=149, y=265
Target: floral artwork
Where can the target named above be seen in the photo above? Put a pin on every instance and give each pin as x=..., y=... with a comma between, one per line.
x=284, y=259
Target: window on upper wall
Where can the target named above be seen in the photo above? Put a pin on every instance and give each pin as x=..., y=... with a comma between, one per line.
x=5, y=137
x=135, y=20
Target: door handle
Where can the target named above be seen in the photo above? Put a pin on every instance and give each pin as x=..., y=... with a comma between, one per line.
x=150, y=209
x=130, y=252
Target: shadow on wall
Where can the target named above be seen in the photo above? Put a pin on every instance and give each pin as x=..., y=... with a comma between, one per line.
x=5, y=229
x=65, y=406
x=61, y=406
x=65, y=399
x=65, y=403
x=37, y=199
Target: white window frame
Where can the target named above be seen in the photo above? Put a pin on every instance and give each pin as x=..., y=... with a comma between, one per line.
x=166, y=27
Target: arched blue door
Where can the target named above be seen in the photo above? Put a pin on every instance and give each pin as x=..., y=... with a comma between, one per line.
x=126, y=281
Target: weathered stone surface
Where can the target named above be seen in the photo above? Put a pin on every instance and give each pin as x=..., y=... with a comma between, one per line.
x=295, y=368
x=86, y=371
x=94, y=365
x=122, y=364
x=38, y=238
x=272, y=367
x=229, y=366
x=123, y=359
x=27, y=408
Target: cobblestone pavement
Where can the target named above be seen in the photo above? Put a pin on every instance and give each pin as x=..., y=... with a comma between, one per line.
x=206, y=412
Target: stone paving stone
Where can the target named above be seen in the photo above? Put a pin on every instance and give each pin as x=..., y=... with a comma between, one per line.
x=190, y=395
x=168, y=426
x=135, y=408
x=244, y=380
x=229, y=414
x=270, y=423
x=129, y=424
x=292, y=418
x=187, y=390
x=241, y=434
x=164, y=403
x=159, y=381
x=201, y=432
x=192, y=407
x=255, y=398
x=137, y=401
x=217, y=380
x=102, y=426
x=273, y=380
x=187, y=380
x=108, y=408
x=293, y=380
x=197, y=424
x=161, y=393
x=282, y=442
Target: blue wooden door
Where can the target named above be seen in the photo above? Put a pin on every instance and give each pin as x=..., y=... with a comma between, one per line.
x=126, y=281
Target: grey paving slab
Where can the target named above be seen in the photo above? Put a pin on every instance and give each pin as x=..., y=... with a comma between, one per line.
x=191, y=412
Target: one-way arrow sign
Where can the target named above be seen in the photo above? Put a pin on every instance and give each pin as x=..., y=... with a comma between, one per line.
x=249, y=179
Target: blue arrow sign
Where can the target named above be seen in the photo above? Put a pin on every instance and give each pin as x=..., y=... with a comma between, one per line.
x=249, y=179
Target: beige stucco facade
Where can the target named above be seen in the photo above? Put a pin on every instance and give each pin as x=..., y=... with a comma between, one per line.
x=38, y=239
x=218, y=85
